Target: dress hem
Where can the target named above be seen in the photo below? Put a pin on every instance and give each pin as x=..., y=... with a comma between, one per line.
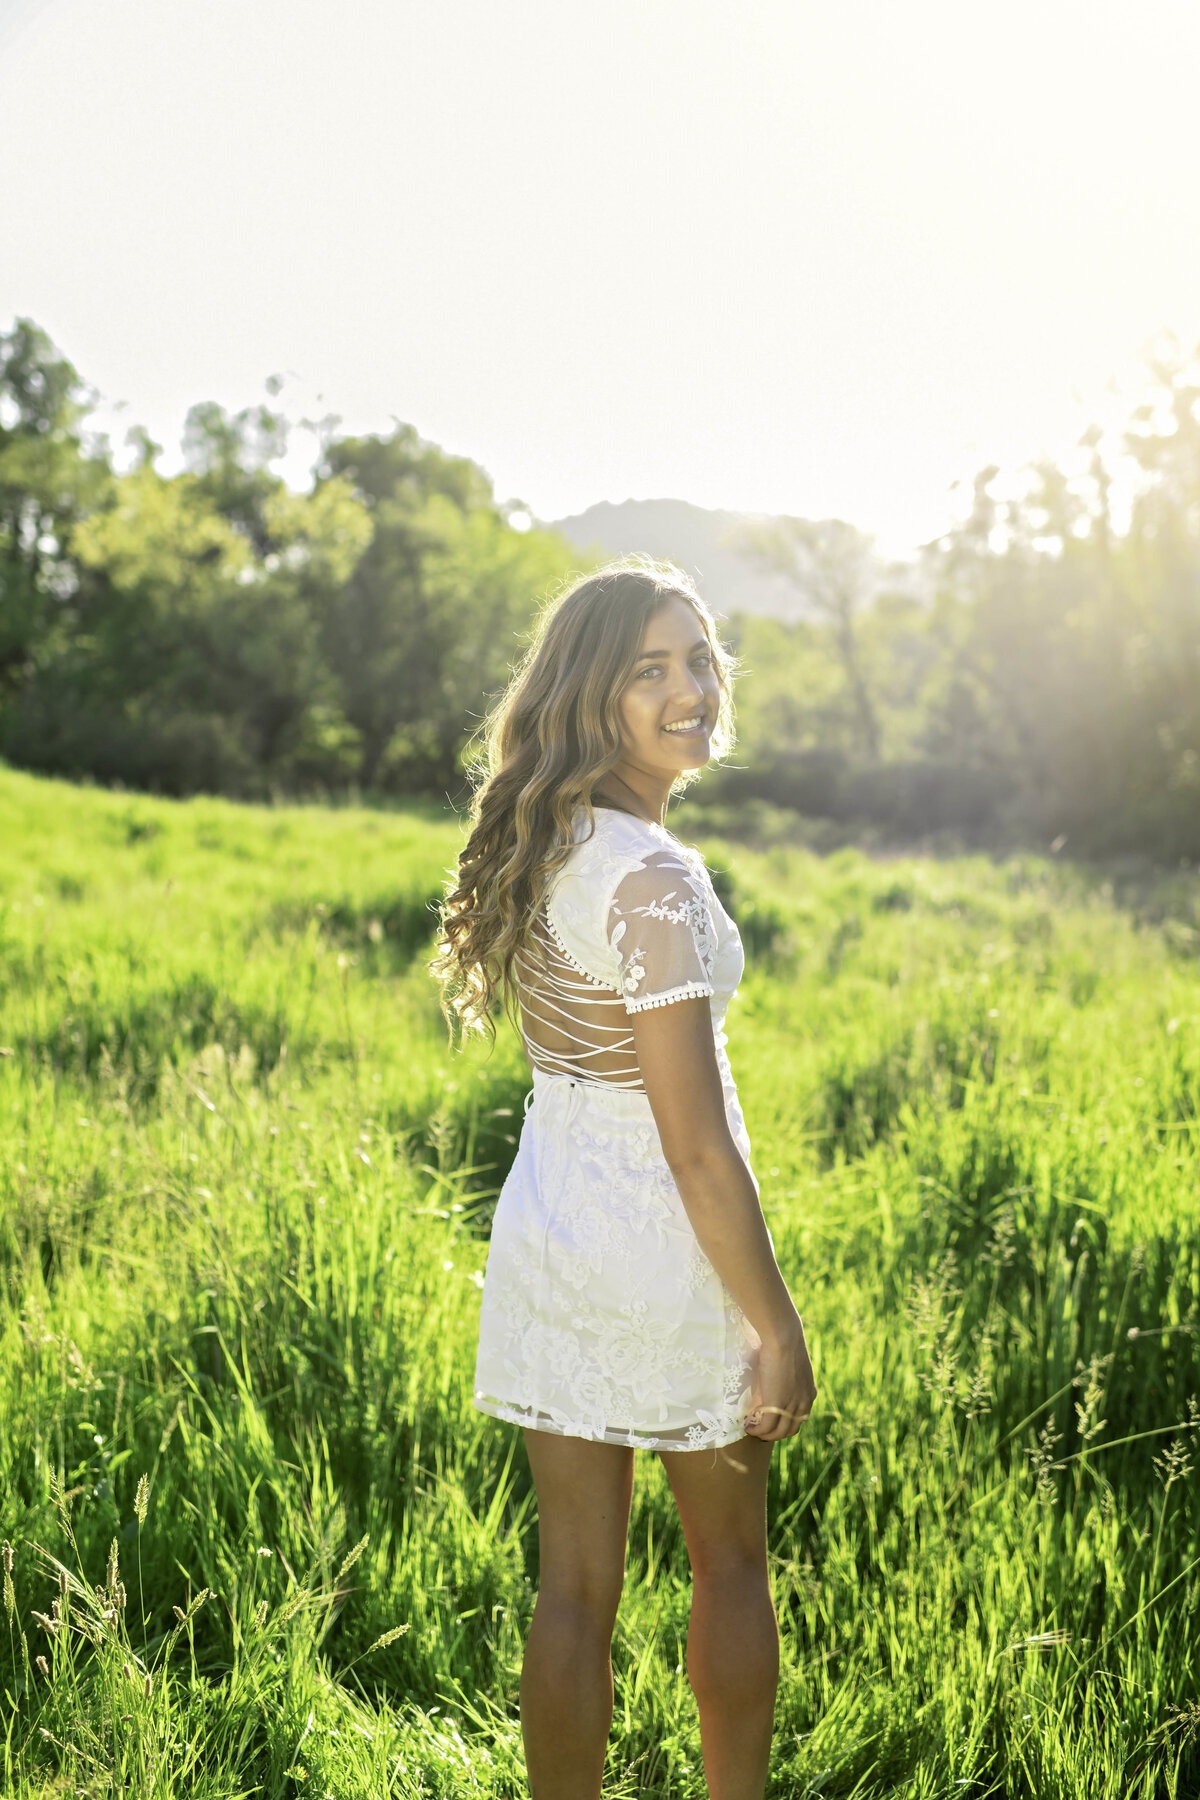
x=623, y=1440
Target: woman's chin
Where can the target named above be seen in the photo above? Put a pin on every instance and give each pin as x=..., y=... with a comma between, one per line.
x=691, y=753
x=692, y=764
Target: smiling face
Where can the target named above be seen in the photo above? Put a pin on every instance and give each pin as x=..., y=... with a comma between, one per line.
x=669, y=706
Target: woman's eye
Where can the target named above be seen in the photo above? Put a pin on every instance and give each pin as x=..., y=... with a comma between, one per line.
x=653, y=670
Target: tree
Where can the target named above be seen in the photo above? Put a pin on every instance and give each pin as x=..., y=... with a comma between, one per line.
x=189, y=620
x=836, y=574
x=484, y=581
x=1075, y=661
x=432, y=606
x=48, y=481
x=230, y=454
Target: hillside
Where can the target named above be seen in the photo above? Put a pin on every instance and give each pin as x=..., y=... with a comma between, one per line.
x=692, y=536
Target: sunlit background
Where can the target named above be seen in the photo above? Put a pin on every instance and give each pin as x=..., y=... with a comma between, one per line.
x=823, y=260
x=336, y=339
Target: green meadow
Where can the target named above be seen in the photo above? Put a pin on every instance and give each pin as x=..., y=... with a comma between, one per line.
x=260, y=1542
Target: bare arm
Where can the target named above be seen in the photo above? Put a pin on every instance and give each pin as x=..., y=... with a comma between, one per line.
x=678, y=1061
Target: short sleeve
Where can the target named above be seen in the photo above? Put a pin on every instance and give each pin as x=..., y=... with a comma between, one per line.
x=660, y=929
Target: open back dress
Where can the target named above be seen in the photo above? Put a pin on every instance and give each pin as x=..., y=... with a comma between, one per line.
x=601, y=1316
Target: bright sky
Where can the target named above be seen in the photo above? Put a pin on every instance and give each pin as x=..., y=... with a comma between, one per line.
x=781, y=256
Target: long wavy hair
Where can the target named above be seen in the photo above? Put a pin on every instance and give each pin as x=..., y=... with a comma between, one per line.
x=553, y=735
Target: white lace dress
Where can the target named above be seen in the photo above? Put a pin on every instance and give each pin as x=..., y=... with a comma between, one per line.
x=601, y=1316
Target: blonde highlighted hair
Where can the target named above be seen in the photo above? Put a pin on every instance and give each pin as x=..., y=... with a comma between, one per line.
x=551, y=738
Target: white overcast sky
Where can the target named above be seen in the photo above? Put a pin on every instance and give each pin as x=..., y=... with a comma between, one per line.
x=814, y=258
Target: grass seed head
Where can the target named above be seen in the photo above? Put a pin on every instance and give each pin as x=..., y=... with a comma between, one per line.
x=141, y=1500
x=388, y=1637
x=1183, y=1722
x=353, y=1557
x=148, y=1686
x=8, y=1557
x=1174, y=1466
x=113, y=1572
x=10, y=1598
x=1044, y=1464
x=44, y=1666
x=61, y=1499
x=1092, y=1380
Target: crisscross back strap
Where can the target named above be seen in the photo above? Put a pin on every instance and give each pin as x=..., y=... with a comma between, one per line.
x=571, y=1024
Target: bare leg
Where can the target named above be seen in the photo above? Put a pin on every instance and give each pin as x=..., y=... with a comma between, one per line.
x=583, y=1496
x=733, y=1640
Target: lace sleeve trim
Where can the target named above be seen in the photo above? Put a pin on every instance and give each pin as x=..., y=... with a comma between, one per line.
x=690, y=990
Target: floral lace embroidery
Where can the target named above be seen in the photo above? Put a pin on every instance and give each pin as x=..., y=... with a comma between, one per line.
x=692, y=913
x=601, y=1317
x=604, y=1320
x=630, y=922
x=661, y=929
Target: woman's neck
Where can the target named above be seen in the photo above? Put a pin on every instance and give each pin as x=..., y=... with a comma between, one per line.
x=644, y=797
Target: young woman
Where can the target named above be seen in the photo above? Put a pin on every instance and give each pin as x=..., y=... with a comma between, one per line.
x=632, y=1300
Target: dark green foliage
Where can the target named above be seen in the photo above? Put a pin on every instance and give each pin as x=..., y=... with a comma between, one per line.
x=213, y=632
x=433, y=615
x=909, y=799
x=1034, y=678
x=48, y=480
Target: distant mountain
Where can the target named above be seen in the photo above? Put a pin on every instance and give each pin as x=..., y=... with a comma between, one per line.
x=693, y=537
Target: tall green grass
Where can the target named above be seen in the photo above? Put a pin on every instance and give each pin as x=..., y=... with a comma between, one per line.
x=262, y=1544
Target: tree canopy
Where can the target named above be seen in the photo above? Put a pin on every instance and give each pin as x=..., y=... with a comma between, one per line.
x=1036, y=672
x=215, y=630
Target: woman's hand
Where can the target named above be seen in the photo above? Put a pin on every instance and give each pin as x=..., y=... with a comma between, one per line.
x=783, y=1390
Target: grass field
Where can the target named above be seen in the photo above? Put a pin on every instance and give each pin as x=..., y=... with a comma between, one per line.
x=261, y=1544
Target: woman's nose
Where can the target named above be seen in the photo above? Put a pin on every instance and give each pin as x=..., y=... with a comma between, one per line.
x=689, y=687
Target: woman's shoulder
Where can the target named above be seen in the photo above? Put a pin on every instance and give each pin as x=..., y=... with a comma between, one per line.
x=622, y=850
x=623, y=837
x=623, y=866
